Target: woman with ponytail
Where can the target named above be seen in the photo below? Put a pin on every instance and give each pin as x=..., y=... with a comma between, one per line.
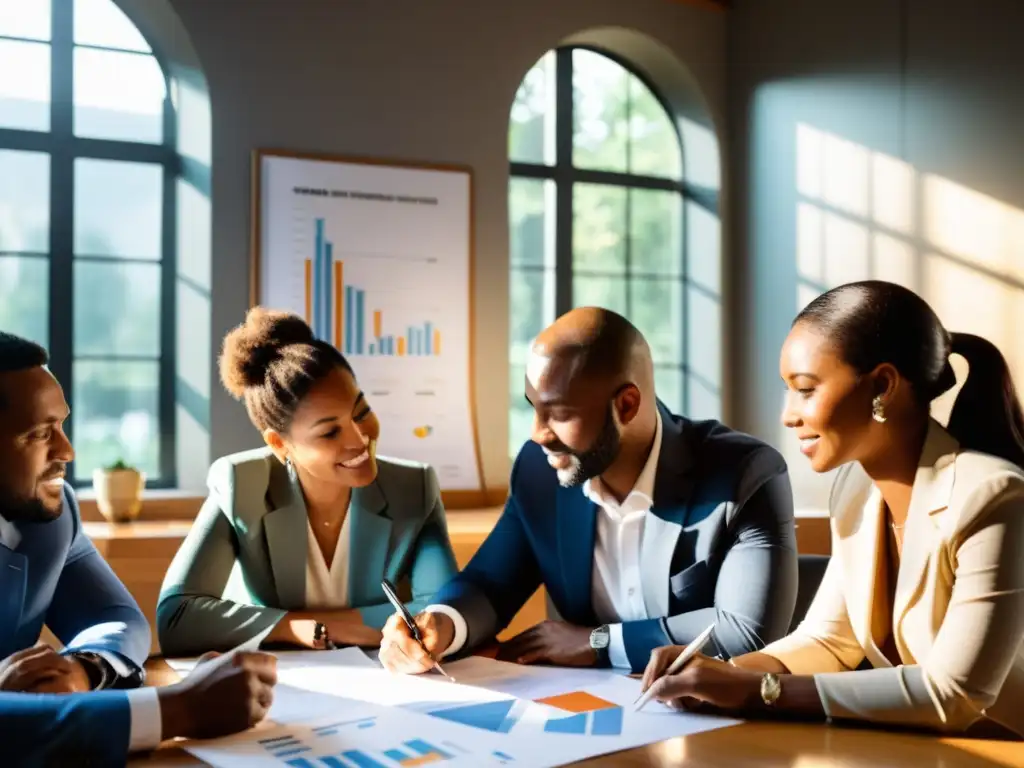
x=919, y=618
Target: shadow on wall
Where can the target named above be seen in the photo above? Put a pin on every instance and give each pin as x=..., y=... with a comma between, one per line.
x=862, y=214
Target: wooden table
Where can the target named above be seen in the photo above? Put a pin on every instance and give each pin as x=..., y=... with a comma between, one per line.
x=773, y=745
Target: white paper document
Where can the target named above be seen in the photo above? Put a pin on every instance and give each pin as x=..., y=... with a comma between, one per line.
x=340, y=709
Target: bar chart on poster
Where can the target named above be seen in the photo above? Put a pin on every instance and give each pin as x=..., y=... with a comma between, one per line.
x=377, y=259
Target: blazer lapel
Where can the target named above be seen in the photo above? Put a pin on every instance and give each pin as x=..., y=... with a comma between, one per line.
x=13, y=583
x=862, y=548
x=577, y=522
x=933, y=486
x=673, y=484
x=370, y=541
x=286, y=536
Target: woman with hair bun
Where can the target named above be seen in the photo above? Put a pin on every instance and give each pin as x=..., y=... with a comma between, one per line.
x=919, y=618
x=313, y=521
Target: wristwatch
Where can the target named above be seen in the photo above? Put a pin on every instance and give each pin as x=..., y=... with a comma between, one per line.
x=771, y=689
x=101, y=675
x=600, y=639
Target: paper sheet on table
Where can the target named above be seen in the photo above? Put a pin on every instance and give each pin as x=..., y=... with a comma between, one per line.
x=536, y=716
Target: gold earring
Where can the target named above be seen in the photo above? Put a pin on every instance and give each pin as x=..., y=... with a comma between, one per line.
x=878, y=409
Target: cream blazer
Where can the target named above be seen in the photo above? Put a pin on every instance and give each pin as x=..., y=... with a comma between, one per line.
x=958, y=613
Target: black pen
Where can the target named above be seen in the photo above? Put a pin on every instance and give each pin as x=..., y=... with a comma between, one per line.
x=389, y=591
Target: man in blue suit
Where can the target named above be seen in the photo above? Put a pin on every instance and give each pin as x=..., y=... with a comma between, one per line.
x=50, y=573
x=644, y=527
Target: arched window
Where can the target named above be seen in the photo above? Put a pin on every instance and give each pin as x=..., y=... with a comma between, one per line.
x=596, y=212
x=87, y=223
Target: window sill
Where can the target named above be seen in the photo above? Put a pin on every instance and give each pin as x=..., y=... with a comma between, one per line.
x=158, y=504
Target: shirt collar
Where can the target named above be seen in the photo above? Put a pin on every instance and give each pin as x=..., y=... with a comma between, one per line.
x=642, y=495
x=10, y=537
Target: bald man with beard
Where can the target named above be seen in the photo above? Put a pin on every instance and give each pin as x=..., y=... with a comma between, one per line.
x=644, y=527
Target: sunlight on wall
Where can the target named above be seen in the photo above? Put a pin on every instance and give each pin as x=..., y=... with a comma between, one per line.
x=857, y=217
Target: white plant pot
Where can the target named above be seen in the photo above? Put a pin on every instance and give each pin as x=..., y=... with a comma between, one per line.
x=119, y=493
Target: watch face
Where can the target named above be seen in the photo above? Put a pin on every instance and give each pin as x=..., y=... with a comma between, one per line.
x=600, y=638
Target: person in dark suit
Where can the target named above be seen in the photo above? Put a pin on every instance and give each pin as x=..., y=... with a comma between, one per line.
x=644, y=527
x=50, y=573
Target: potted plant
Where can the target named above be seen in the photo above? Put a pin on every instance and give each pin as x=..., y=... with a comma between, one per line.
x=118, y=488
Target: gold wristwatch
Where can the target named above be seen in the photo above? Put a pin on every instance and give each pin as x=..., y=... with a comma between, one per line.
x=771, y=689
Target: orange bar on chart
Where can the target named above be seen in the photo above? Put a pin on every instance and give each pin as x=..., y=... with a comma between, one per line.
x=401, y=346
x=376, y=323
x=577, y=701
x=437, y=342
x=339, y=301
x=309, y=291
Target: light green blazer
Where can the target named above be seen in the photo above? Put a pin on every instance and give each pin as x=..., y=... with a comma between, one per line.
x=255, y=516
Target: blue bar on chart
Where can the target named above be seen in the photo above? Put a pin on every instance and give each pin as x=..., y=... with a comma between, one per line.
x=325, y=286
x=350, y=304
x=361, y=759
x=607, y=722
x=299, y=762
x=359, y=321
x=426, y=338
x=333, y=762
x=318, y=270
x=372, y=349
x=427, y=750
x=575, y=724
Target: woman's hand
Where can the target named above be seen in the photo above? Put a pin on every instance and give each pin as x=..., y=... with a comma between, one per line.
x=703, y=684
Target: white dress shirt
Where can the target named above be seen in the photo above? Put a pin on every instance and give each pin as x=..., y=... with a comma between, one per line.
x=617, y=592
x=327, y=588
x=143, y=703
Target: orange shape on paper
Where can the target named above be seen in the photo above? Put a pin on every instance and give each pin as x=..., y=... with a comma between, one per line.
x=577, y=701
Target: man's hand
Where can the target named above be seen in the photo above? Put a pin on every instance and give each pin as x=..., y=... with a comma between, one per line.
x=30, y=668
x=219, y=697
x=75, y=681
x=551, y=642
x=703, y=685
x=399, y=651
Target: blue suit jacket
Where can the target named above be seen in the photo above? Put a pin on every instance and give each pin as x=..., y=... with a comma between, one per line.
x=719, y=545
x=55, y=576
x=83, y=729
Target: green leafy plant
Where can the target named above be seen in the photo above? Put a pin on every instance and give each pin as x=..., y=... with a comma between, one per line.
x=118, y=466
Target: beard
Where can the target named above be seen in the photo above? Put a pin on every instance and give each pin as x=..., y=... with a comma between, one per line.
x=595, y=461
x=21, y=509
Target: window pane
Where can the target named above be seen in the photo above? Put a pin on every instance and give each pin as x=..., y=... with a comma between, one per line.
x=118, y=208
x=656, y=309
x=520, y=418
x=114, y=416
x=704, y=336
x=126, y=321
x=653, y=142
x=24, y=201
x=531, y=213
x=668, y=384
x=607, y=292
x=655, y=227
x=119, y=96
x=531, y=128
x=703, y=402
x=600, y=103
x=531, y=309
x=100, y=22
x=25, y=18
x=24, y=85
x=703, y=247
x=599, y=228
x=25, y=297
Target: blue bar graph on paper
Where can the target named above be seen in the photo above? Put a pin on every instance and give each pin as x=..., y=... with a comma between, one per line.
x=361, y=759
x=318, y=271
x=372, y=349
x=574, y=724
x=332, y=762
x=423, y=748
x=607, y=722
x=325, y=287
x=503, y=757
x=359, y=321
x=427, y=336
x=299, y=762
x=396, y=754
x=350, y=311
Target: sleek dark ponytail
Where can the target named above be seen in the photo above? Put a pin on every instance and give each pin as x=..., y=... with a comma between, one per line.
x=874, y=322
x=987, y=414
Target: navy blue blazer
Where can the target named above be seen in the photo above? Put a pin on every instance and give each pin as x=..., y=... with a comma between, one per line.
x=55, y=576
x=53, y=729
x=719, y=545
